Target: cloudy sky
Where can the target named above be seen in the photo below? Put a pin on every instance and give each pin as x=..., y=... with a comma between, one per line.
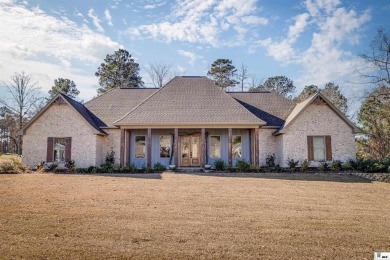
x=309, y=41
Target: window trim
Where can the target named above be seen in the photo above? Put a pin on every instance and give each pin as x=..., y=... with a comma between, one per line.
x=220, y=146
x=327, y=148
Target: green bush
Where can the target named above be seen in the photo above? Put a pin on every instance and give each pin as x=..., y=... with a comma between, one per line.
x=243, y=166
x=292, y=163
x=159, y=167
x=305, y=165
x=347, y=166
x=324, y=166
x=335, y=165
x=52, y=167
x=219, y=165
x=270, y=160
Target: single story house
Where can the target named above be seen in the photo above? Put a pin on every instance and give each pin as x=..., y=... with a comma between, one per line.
x=189, y=122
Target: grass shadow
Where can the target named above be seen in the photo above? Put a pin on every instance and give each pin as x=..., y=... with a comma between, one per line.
x=331, y=177
x=155, y=176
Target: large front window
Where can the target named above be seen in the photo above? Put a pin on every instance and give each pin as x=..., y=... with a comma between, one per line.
x=319, y=148
x=165, y=146
x=140, y=146
x=236, y=146
x=215, y=146
x=59, y=149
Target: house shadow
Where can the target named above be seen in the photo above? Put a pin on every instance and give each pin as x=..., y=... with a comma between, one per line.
x=330, y=177
x=156, y=176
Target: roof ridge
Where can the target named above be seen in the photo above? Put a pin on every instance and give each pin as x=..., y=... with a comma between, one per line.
x=134, y=108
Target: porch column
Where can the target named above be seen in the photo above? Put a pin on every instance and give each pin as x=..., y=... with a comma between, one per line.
x=149, y=148
x=230, y=156
x=256, y=133
x=122, y=147
x=252, y=145
x=176, y=148
x=127, y=147
x=202, y=146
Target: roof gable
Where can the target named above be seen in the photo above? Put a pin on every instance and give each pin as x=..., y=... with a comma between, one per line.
x=316, y=98
x=189, y=100
x=78, y=107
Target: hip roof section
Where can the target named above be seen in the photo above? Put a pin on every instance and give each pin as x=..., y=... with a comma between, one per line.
x=189, y=100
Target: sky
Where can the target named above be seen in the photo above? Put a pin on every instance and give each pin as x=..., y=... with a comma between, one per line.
x=309, y=41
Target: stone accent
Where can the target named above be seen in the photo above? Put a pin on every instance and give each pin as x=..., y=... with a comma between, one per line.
x=320, y=120
x=60, y=120
x=382, y=177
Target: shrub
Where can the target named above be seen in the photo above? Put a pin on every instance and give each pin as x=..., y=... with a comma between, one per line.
x=242, y=166
x=159, y=167
x=40, y=167
x=305, y=165
x=230, y=168
x=81, y=170
x=335, y=165
x=254, y=168
x=110, y=158
x=323, y=166
x=219, y=165
x=52, y=167
x=270, y=160
x=347, y=166
x=70, y=166
x=8, y=166
x=292, y=163
x=146, y=169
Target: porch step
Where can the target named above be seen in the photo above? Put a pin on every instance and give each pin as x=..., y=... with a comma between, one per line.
x=191, y=169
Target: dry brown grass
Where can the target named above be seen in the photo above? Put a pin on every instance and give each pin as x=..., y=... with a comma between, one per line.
x=281, y=216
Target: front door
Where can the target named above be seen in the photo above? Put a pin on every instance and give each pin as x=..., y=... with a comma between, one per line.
x=189, y=152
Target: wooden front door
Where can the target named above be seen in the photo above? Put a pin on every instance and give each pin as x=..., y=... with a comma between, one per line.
x=189, y=151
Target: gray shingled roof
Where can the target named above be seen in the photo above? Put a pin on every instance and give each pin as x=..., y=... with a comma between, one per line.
x=268, y=106
x=114, y=104
x=189, y=100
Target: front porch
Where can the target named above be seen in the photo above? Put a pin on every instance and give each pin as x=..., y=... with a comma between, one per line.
x=188, y=147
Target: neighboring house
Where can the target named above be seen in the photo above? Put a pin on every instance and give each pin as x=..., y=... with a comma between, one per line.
x=189, y=122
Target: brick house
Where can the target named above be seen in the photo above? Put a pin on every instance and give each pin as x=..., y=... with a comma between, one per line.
x=189, y=122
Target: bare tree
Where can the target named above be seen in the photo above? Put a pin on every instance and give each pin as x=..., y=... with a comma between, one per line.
x=159, y=72
x=378, y=56
x=243, y=75
x=255, y=81
x=24, y=95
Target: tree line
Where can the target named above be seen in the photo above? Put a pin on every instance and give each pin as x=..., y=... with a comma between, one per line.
x=120, y=70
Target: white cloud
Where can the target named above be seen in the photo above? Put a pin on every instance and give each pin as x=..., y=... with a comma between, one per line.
x=190, y=55
x=153, y=6
x=48, y=48
x=203, y=21
x=95, y=20
x=324, y=60
x=108, y=17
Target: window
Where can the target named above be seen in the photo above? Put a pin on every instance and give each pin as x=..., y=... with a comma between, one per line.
x=319, y=148
x=165, y=146
x=59, y=149
x=215, y=146
x=236, y=146
x=140, y=146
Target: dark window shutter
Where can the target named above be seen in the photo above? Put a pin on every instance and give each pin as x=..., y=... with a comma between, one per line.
x=49, y=154
x=310, y=148
x=328, y=145
x=68, y=149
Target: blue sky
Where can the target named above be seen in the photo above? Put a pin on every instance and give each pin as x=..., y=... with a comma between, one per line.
x=309, y=41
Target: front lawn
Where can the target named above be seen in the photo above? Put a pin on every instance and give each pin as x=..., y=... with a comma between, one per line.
x=259, y=216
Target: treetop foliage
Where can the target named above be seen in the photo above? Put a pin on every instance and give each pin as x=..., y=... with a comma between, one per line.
x=279, y=84
x=118, y=70
x=223, y=72
x=65, y=86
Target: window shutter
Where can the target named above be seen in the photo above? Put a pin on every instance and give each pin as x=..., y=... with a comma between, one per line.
x=328, y=145
x=310, y=148
x=68, y=149
x=49, y=154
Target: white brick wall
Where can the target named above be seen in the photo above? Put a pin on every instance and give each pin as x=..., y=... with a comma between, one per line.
x=317, y=120
x=60, y=121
